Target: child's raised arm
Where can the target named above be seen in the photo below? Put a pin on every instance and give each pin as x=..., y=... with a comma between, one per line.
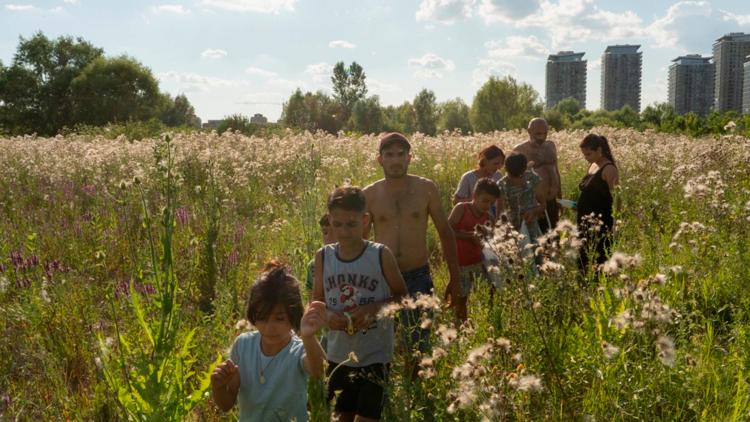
x=312, y=321
x=225, y=384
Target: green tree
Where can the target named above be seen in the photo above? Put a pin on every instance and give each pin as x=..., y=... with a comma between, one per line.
x=654, y=114
x=626, y=117
x=399, y=118
x=114, y=90
x=504, y=104
x=236, y=122
x=425, y=110
x=367, y=116
x=348, y=86
x=407, y=117
x=454, y=114
x=35, y=90
x=568, y=107
x=179, y=112
x=312, y=112
x=694, y=124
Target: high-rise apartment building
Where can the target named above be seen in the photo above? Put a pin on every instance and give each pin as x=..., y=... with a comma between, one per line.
x=730, y=52
x=746, y=88
x=691, y=84
x=566, y=77
x=621, y=77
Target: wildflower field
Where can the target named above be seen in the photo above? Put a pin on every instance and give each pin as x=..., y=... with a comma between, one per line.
x=124, y=267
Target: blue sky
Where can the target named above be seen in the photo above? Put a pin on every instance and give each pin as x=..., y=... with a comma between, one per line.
x=247, y=56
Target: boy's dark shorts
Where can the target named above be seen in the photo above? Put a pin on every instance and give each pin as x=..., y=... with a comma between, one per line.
x=360, y=390
x=414, y=337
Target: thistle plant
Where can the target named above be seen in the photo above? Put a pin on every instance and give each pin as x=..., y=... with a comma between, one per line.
x=151, y=370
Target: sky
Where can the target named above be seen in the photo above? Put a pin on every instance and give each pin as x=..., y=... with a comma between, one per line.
x=248, y=56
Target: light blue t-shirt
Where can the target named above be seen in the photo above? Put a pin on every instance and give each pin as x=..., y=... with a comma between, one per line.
x=283, y=396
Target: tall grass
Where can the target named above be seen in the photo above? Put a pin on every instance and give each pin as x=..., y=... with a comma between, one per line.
x=101, y=321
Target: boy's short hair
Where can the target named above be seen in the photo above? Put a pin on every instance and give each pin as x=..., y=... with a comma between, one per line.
x=488, y=186
x=516, y=164
x=324, y=221
x=276, y=286
x=348, y=198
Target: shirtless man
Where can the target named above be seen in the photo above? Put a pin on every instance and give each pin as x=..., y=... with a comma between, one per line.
x=399, y=205
x=542, y=157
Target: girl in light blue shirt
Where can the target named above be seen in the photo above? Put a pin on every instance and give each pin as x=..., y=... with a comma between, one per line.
x=268, y=369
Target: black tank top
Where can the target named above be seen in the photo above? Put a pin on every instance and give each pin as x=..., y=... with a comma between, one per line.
x=595, y=198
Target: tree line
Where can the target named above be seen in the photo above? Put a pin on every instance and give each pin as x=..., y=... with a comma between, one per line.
x=59, y=85
x=67, y=85
x=499, y=104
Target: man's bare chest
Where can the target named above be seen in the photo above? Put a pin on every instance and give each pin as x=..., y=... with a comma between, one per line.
x=394, y=209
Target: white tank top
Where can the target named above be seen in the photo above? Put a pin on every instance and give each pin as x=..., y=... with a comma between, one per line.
x=348, y=284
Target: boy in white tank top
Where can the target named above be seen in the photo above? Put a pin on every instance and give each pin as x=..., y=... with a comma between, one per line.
x=355, y=278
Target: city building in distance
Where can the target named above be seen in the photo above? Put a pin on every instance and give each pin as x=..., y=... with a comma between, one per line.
x=730, y=53
x=746, y=88
x=566, y=77
x=621, y=77
x=691, y=84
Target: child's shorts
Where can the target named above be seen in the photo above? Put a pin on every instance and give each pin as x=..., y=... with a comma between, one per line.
x=466, y=277
x=358, y=390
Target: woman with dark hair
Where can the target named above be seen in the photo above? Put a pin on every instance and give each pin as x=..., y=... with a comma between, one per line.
x=490, y=160
x=594, y=206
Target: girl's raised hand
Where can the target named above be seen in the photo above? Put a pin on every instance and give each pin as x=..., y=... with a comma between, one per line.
x=313, y=319
x=227, y=375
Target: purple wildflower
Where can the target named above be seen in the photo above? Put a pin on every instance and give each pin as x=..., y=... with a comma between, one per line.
x=182, y=216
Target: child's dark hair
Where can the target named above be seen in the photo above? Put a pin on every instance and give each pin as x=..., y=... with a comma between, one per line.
x=276, y=286
x=489, y=153
x=348, y=198
x=592, y=141
x=324, y=221
x=516, y=164
x=488, y=186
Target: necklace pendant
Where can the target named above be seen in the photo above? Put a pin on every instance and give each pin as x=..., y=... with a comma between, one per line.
x=262, y=379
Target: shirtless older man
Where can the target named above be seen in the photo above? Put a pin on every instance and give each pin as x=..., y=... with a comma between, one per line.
x=399, y=205
x=543, y=154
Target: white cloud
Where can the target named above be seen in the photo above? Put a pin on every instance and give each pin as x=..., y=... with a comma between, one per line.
x=20, y=7
x=431, y=66
x=213, y=53
x=256, y=6
x=256, y=71
x=319, y=71
x=193, y=82
x=507, y=10
x=377, y=87
x=739, y=19
x=488, y=67
x=594, y=65
x=681, y=17
x=515, y=46
x=341, y=44
x=71, y=1
x=176, y=9
x=444, y=11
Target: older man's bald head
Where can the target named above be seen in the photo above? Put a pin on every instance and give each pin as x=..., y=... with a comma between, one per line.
x=537, y=121
x=538, y=129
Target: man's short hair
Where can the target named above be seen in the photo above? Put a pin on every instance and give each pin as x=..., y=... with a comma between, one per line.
x=348, y=198
x=324, y=221
x=516, y=164
x=488, y=186
x=393, y=138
